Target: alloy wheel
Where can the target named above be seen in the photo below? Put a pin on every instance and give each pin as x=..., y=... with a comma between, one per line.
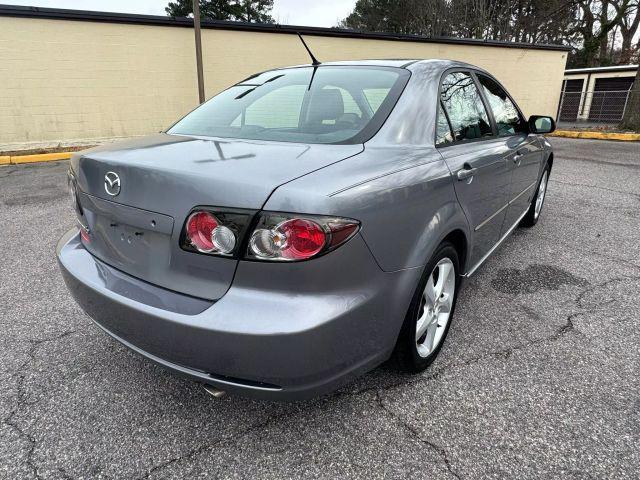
x=435, y=307
x=542, y=189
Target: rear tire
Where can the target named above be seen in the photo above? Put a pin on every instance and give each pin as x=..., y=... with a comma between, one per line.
x=429, y=317
x=537, y=202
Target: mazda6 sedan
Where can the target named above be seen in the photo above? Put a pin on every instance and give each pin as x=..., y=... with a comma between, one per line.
x=306, y=224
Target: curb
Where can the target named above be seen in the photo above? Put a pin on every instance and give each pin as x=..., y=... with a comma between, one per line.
x=42, y=157
x=624, y=137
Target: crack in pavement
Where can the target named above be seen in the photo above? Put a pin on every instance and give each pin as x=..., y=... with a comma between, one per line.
x=32, y=444
x=441, y=451
x=567, y=327
x=578, y=300
x=561, y=331
x=31, y=354
x=9, y=419
x=232, y=438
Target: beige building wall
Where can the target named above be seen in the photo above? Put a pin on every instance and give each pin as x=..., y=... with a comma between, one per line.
x=75, y=80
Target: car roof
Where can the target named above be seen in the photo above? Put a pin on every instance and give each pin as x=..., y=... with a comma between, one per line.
x=379, y=62
x=398, y=63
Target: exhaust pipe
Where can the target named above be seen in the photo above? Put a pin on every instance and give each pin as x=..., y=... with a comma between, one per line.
x=213, y=391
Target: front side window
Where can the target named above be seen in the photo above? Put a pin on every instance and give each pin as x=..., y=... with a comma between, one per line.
x=326, y=104
x=462, y=101
x=505, y=113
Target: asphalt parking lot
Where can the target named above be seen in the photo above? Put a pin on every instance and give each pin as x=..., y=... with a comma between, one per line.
x=539, y=377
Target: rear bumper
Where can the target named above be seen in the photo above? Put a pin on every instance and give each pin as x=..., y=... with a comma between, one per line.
x=282, y=331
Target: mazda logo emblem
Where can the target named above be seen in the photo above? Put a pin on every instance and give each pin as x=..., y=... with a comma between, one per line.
x=112, y=183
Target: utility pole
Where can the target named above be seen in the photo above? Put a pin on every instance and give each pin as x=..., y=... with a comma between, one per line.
x=196, y=26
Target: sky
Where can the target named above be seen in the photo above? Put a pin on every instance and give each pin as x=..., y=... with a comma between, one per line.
x=316, y=13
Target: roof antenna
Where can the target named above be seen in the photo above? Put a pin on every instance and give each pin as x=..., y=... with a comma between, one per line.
x=314, y=60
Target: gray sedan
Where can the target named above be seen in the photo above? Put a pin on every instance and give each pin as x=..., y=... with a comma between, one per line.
x=306, y=224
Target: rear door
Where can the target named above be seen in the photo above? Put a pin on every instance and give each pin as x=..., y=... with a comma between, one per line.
x=524, y=151
x=476, y=157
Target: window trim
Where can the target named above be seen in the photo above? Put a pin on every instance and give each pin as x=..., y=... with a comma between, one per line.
x=471, y=73
x=446, y=117
x=487, y=105
x=477, y=73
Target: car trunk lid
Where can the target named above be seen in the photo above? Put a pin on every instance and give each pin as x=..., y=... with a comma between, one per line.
x=161, y=179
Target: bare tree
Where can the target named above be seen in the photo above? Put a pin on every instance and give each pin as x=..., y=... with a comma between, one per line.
x=592, y=27
x=629, y=23
x=631, y=119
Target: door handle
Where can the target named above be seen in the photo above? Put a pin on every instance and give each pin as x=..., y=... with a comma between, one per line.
x=519, y=154
x=466, y=173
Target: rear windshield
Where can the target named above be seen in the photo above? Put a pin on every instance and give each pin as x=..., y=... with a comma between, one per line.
x=326, y=104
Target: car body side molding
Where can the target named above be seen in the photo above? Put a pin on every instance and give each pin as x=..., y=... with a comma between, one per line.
x=495, y=247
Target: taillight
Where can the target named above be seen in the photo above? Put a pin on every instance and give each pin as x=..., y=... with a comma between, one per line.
x=275, y=236
x=283, y=237
x=295, y=239
x=214, y=232
x=200, y=227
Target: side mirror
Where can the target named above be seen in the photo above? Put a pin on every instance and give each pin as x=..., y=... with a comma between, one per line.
x=541, y=124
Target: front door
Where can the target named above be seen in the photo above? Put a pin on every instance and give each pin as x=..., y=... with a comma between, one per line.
x=525, y=153
x=525, y=160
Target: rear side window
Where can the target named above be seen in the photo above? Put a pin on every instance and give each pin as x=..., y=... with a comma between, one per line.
x=462, y=101
x=505, y=113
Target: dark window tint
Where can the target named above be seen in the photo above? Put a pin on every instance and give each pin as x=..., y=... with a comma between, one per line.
x=504, y=111
x=461, y=99
x=443, y=132
x=328, y=104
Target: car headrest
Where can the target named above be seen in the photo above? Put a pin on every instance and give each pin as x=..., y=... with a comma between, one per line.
x=325, y=104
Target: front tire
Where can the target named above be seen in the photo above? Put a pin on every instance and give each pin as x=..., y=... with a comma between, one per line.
x=429, y=317
x=535, y=209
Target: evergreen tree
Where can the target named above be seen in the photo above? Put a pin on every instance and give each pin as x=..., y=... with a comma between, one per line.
x=257, y=11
